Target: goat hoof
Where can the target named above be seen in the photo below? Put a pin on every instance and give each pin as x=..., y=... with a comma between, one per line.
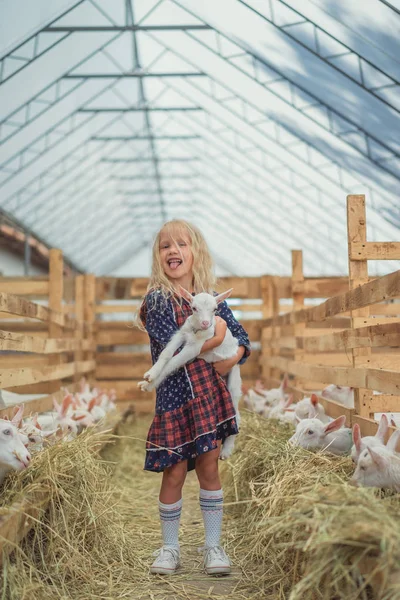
x=143, y=385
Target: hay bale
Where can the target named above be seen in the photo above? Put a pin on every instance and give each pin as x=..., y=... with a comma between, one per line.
x=306, y=532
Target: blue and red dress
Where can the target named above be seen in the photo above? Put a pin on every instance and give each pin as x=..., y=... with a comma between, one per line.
x=194, y=408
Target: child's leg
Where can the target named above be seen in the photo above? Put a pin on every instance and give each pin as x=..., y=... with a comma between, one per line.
x=170, y=503
x=211, y=498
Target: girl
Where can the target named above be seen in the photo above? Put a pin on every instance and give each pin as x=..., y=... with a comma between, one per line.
x=194, y=410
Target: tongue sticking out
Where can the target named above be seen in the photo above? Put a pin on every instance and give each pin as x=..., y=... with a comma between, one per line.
x=174, y=264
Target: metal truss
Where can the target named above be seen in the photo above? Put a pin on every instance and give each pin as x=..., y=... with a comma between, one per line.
x=308, y=104
x=143, y=109
x=316, y=43
x=135, y=75
x=327, y=118
x=125, y=138
x=123, y=28
x=178, y=159
x=330, y=178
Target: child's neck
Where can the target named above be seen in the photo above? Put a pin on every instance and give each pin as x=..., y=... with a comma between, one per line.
x=186, y=282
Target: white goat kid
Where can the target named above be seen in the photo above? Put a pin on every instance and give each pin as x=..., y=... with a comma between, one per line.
x=197, y=329
x=379, y=466
x=339, y=393
x=361, y=444
x=13, y=454
x=311, y=433
x=311, y=408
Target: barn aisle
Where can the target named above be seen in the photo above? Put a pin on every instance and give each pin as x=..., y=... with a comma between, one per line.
x=139, y=490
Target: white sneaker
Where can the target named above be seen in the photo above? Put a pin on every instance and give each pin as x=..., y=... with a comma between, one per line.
x=216, y=561
x=167, y=561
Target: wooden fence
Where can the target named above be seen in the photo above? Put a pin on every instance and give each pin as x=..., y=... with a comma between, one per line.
x=350, y=339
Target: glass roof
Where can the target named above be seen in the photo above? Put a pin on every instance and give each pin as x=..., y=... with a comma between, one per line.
x=252, y=118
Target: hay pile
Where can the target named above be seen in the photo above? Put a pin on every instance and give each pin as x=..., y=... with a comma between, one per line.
x=306, y=533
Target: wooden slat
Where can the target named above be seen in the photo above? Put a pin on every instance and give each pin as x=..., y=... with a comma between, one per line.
x=375, y=251
x=298, y=301
x=369, y=293
x=377, y=336
x=16, y=342
x=122, y=337
x=24, y=308
x=116, y=308
x=89, y=303
x=325, y=287
x=384, y=403
x=25, y=286
x=372, y=379
x=10, y=378
x=128, y=390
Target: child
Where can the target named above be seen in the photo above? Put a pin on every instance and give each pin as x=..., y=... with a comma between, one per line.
x=194, y=410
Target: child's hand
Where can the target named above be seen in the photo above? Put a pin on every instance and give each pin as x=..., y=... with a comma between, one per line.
x=224, y=366
x=220, y=328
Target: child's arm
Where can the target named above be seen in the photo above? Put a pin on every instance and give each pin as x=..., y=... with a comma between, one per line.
x=218, y=337
x=238, y=332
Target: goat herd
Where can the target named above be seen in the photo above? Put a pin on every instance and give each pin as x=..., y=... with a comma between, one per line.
x=20, y=438
x=377, y=464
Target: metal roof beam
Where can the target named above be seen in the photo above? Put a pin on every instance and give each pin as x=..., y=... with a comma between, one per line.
x=123, y=28
x=127, y=138
x=145, y=109
x=138, y=75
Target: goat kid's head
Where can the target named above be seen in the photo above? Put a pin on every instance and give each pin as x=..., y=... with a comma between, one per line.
x=13, y=453
x=204, y=307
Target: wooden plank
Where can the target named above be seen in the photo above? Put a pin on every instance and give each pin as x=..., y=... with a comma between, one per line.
x=16, y=361
x=375, y=291
x=128, y=390
x=24, y=308
x=325, y=287
x=79, y=289
x=381, y=380
x=122, y=337
x=25, y=286
x=17, y=342
x=10, y=378
x=56, y=293
x=384, y=403
x=298, y=302
x=364, y=250
x=376, y=336
x=369, y=321
x=358, y=276
x=89, y=302
x=116, y=308
x=390, y=310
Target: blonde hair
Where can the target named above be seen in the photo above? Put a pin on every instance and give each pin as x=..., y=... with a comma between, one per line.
x=203, y=268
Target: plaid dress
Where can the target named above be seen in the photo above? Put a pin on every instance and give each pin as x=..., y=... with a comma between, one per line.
x=193, y=408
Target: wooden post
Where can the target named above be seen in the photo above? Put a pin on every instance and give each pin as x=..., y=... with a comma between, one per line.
x=298, y=302
x=89, y=316
x=56, y=289
x=358, y=275
x=270, y=308
x=79, y=317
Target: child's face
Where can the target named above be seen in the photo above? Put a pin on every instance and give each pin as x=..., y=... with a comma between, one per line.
x=176, y=255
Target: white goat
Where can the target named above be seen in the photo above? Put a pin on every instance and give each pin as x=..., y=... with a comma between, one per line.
x=13, y=454
x=361, y=444
x=311, y=408
x=379, y=466
x=59, y=418
x=197, y=329
x=341, y=394
x=311, y=433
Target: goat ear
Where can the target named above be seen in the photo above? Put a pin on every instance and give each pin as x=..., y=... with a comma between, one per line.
x=221, y=297
x=91, y=404
x=298, y=420
x=17, y=418
x=357, y=437
x=394, y=439
x=67, y=400
x=56, y=406
x=284, y=382
x=288, y=402
x=314, y=399
x=383, y=428
x=36, y=422
x=185, y=294
x=377, y=458
x=335, y=425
